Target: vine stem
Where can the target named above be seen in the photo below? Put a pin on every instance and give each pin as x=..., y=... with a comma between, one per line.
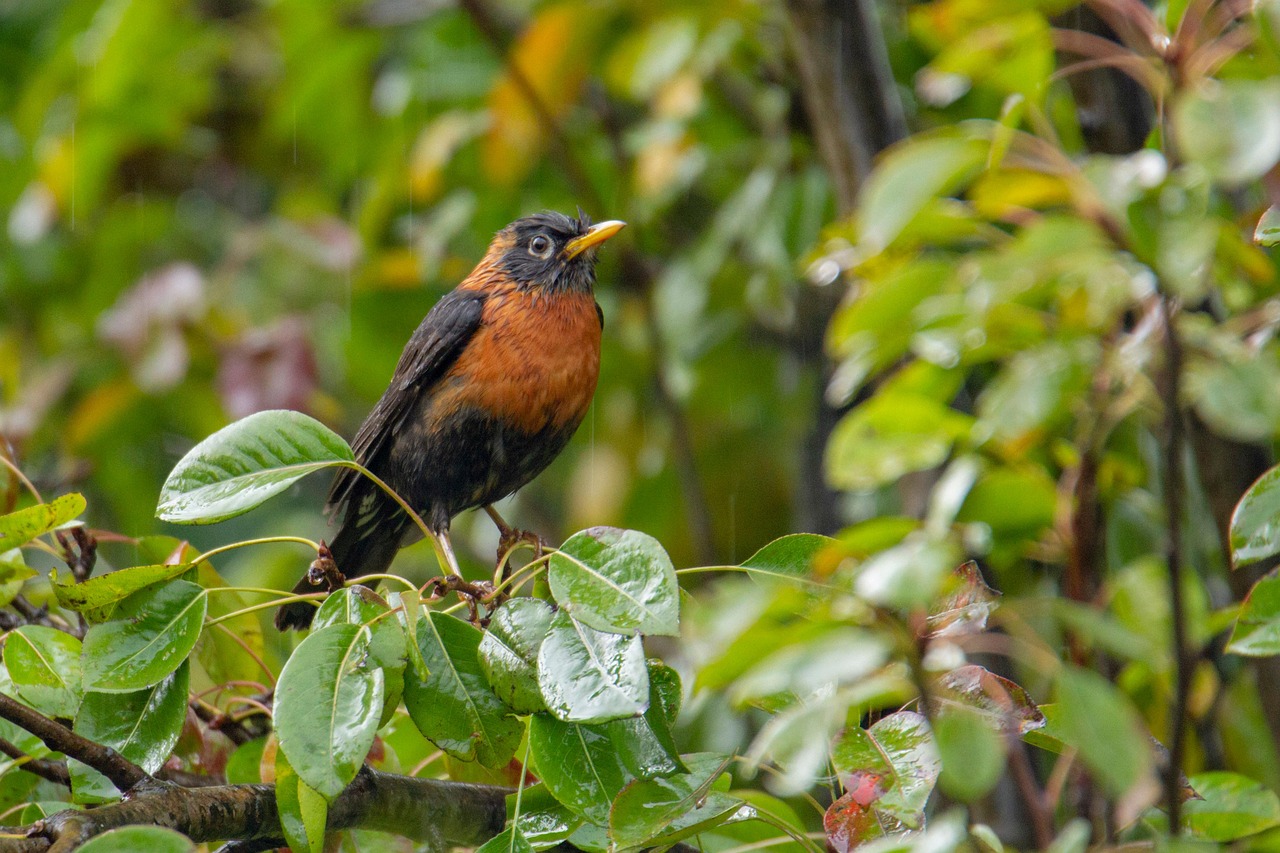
x=430, y=534
x=310, y=596
x=266, y=540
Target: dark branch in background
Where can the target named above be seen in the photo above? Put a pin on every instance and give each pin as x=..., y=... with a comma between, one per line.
x=1173, y=500
x=853, y=110
x=637, y=269
x=122, y=772
x=443, y=814
x=53, y=771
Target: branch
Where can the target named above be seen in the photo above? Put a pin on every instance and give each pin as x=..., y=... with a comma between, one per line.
x=50, y=769
x=443, y=814
x=122, y=772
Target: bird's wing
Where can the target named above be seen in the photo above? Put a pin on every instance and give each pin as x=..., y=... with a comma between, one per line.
x=431, y=351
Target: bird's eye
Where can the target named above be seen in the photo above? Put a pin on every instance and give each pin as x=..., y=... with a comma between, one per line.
x=540, y=247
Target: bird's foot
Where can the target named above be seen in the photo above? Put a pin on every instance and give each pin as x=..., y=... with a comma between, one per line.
x=324, y=571
x=474, y=593
x=511, y=538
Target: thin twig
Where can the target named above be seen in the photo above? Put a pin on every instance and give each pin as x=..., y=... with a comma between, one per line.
x=45, y=768
x=1173, y=499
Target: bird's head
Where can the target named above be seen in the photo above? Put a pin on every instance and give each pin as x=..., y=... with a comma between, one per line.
x=552, y=252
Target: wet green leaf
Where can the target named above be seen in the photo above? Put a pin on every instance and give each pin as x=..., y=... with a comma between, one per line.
x=510, y=840
x=242, y=465
x=1255, y=524
x=143, y=726
x=509, y=652
x=328, y=703
x=616, y=580
x=1233, y=807
x=97, y=597
x=590, y=676
x=150, y=635
x=44, y=664
x=1257, y=630
x=19, y=528
x=789, y=556
x=1268, y=231
x=646, y=807
x=543, y=820
x=579, y=765
x=455, y=708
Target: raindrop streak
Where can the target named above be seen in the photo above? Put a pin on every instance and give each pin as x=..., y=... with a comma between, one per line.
x=73, y=174
x=295, y=134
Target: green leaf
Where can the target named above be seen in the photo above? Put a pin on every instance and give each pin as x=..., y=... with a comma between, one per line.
x=589, y=676
x=233, y=649
x=303, y=811
x=892, y=434
x=616, y=580
x=1257, y=630
x=150, y=635
x=543, y=820
x=645, y=745
x=142, y=726
x=244, y=767
x=1268, y=231
x=509, y=652
x=1233, y=806
x=359, y=605
x=327, y=707
x=510, y=840
x=1004, y=703
x=909, y=575
x=44, y=664
x=455, y=708
x=1255, y=524
x=646, y=807
x=967, y=608
x=907, y=178
x=579, y=765
x=242, y=465
x=972, y=753
x=131, y=839
x=1099, y=720
x=408, y=605
x=97, y=597
x=789, y=556
x=19, y=528
x=1230, y=127
x=900, y=750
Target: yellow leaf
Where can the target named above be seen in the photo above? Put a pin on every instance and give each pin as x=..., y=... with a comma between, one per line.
x=552, y=55
x=996, y=194
x=435, y=147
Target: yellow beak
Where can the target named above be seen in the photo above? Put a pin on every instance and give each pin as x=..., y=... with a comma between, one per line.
x=595, y=235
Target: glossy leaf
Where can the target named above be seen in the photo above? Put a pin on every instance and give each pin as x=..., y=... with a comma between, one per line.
x=851, y=819
x=789, y=556
x=616, y=580
x=359, y=605
x=579, y=765
x=1267, y=232
x=646, y=807
x=589, y=676
x=408, y=605
x=509, y=652
x=131, y=839
x=1257, y=629
x=1099, y=721
x=1255, y=524
x=150, y=634
x=143, y=726
x=19, y=528
x=1232, y=807
x=244, y=464
x=645, y=744
x=455, y=708
x=900, y=750
x=97, y=597
x=328, y=703
x=543, y=820
x=510, y=840
x=44, y=664
x=303, y=810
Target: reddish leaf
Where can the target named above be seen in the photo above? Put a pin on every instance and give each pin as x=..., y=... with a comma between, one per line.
x=995, y=696
x=966, y=610
x=849, y=821
x=271, y=368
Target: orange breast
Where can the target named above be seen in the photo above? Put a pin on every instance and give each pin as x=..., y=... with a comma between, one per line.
x=535, y=360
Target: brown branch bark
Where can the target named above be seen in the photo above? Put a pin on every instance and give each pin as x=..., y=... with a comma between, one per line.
x=52, y=770
x=443, y=814
x=122, y=772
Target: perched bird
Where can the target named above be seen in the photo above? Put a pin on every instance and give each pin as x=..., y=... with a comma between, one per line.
x=488, y=391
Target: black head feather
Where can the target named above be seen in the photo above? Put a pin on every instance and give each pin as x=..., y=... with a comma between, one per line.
x=536, y=257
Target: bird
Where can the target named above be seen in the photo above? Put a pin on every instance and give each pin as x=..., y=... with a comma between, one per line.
x=487, y=392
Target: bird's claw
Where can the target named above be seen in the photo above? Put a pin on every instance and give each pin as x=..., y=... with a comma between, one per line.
x=510, y=538
x=474, y=593
x=324, y=571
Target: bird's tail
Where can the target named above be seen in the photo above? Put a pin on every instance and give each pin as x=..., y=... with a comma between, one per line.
x=357, y=550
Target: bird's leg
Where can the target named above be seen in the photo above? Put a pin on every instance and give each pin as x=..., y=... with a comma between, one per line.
x=510, y=537
x=473, y=594
x=444, y=550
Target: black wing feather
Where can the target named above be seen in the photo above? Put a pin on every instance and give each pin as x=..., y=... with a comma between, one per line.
x=431, y=351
